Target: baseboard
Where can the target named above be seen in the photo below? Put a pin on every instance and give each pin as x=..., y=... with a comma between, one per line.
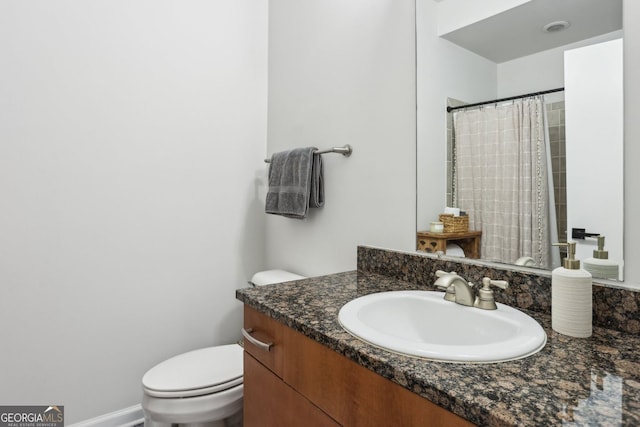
x=128, y=417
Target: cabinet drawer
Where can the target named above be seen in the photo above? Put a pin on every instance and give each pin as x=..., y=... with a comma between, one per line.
x=265, y=330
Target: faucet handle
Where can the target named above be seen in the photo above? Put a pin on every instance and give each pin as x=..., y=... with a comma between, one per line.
x=485, y=298
x=487, y=283
x=440, y=273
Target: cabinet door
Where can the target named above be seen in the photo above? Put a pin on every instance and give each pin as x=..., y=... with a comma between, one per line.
x=268, y=401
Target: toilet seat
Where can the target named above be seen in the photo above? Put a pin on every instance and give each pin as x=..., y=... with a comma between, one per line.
x=196, y=373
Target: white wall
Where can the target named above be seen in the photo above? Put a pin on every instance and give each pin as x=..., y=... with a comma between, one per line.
x=631, y=137
x=131, y=134
x=540, y=71
x=595, y=181
x=344, y=73
x=444, y=70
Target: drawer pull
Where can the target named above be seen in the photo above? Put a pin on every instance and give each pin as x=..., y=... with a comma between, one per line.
x=247, y=334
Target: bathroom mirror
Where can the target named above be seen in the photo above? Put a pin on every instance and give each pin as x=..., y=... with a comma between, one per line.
x=497, y=51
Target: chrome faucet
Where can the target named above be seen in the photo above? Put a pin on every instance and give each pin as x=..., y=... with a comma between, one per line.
x=458, y=290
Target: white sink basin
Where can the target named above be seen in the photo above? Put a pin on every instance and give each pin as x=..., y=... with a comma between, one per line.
x=423, y=324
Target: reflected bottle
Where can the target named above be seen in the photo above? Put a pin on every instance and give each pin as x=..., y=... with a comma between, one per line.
x=600, y=266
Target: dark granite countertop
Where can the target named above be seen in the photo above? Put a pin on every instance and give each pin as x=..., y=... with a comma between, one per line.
x=572, y=381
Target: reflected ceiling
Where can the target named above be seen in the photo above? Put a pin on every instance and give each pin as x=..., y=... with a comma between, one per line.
x=587, y=18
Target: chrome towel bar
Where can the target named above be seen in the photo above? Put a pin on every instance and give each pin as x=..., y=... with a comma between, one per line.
x=345, y=151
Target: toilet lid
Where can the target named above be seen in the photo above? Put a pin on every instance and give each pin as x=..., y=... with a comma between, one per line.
x=199, y=372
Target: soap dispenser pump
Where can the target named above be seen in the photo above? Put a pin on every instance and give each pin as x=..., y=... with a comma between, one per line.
x=600, y=265
x=571, y=297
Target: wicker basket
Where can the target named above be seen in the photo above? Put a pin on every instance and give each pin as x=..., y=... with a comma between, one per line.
x=454, y=224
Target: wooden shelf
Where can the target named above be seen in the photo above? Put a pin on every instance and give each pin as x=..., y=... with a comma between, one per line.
x=469, y=241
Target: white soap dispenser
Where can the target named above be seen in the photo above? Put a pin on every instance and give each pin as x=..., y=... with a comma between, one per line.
x=571, y=297
x=600, y=265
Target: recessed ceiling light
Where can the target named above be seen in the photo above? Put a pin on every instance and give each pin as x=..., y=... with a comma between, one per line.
x=556, y=26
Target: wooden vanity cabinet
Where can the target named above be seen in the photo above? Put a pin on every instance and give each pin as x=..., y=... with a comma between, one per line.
x=305, y=383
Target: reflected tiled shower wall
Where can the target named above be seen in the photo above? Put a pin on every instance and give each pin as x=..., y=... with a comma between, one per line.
x=555, y=117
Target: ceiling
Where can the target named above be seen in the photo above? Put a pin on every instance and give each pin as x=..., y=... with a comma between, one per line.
x=518, y=31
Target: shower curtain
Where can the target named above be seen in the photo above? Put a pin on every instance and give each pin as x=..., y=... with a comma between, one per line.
x=502, y=182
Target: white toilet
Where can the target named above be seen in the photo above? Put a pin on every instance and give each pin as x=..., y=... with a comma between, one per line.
x=201, y=388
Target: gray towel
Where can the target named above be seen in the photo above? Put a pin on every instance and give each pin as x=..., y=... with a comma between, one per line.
x=296, y=183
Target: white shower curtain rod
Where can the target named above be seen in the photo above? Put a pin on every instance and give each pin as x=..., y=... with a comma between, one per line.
x=544, y=92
